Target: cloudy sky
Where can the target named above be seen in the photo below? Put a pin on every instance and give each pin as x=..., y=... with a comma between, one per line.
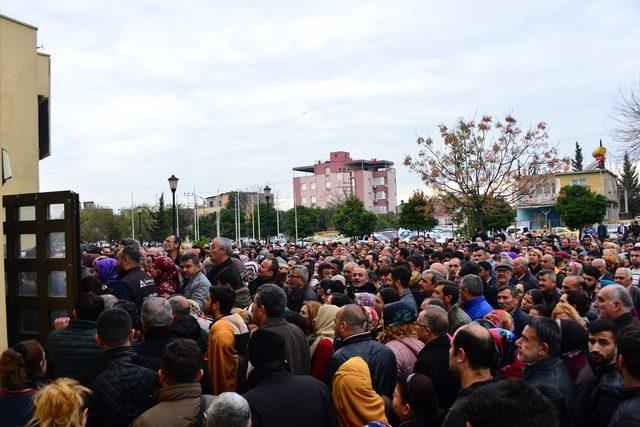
x=232, y=94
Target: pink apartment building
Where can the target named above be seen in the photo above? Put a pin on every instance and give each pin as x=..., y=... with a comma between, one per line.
x=331, y=182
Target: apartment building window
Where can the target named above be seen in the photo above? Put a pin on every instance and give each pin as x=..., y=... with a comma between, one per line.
x=327, y=185
x=327, y=171
x=380, y=195
x=329, y=198
x=339, y=176
x=582, y=182
x=378, y=181
x=303, y=186
x=313, y=200
x=312, y=185
x=304, y=200
x=381, y=209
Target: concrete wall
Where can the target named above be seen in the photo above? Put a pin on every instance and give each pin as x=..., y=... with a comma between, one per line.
x=24, y=74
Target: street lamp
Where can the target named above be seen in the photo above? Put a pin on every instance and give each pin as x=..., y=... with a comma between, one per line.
x=267, y=194
x=173, y=185
x=139, y=211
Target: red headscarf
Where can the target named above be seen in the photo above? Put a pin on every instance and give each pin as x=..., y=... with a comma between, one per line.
x=167, y=280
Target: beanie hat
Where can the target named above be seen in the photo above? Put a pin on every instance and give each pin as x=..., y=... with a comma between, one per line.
x=266, y=346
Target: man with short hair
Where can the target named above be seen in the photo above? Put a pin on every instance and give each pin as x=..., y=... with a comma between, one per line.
x=428, y=282
x=449, y=293
x=603, y=398
x=134, y=284
x=634, y=260
x=522, y=274
x=614, y=303
x=171, y=246
x=180, y=400
x=575, y=283
x=268, y=311
x=72, y=351
x=348, y=271
x=508, y=301
x=547, y=283
x=624, y=277
x=267, y=273
x=186, y=325
x=538, y=348
x=360, y=283
x=548, y=262
x=298, y=289
x=472, y=297
x=195, y=285
x=432, y=326
x=278, y=398
x=353, y=340
x=122, y=390
x=601, y=265
x=628, y=412
x=591, y=277
x=401, y=277
x=228, y=338
x=220, y=254
x=471, y=356
x=155, y=318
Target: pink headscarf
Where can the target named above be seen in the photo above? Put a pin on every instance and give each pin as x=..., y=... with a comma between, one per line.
x=167, y=280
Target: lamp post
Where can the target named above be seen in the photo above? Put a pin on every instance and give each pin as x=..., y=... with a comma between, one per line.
x=267, y=195
x=139, y=210
x=173, y=185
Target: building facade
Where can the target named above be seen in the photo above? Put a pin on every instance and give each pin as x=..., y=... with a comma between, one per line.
x=24, y=120
x=538, y=210
x=331, y=182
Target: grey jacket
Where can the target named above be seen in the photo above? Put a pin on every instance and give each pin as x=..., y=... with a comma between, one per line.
x=457, y=318
x=196, y=288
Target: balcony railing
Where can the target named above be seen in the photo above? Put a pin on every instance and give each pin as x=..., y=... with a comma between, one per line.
x=536, y=199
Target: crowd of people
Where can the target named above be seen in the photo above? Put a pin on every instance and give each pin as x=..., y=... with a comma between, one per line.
x=490, y=331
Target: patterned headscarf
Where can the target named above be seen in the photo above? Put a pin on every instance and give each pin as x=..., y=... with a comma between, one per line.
x=107, y=271
x=500, y=319
x=506, y=344
x=365, y=299
x=167, y=280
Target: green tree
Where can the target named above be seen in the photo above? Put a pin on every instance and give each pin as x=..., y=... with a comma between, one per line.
x=628, y=182
x=263, y=221
x=478, y=162
x=497, y=217
x=308, y=221
x=99, y=224
x=160, y=227
x=228, y=223
x=578, y=206
x=576, y=162
x=417, y=213
x=386, y=220
x=352, y=220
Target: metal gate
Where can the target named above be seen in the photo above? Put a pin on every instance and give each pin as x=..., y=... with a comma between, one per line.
x=42, y=261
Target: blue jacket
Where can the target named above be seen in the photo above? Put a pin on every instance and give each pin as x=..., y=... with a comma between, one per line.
x=476, y=308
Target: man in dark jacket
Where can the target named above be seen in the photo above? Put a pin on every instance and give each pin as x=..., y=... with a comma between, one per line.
x=121, y=389
x=134, y=284
x=155, y=317
x=298, y=289
x=268, y=311
x=628, y=412
x=604, y=393
x=538, y=348
x=433, y=360
x=471, y=357
x=353, y=340
x=180, y=400
x=72, y=351
x=507, y=299
x=267, y=273
x=278, y=398
x=547, y=283
x=614, y=303
x=220, y=254
x=522, y=274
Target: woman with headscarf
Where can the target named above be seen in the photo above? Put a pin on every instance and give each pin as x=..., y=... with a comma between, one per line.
x=106, y=271
x=508, y=364
x=367, y=301
x=322, y=346
x=164, y=272
x=309, y=311
x=500, y=319
x=399, y=334
x=354, y=399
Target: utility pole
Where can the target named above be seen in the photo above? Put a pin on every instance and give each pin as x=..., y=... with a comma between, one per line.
x=258, y=204
x=196, y=230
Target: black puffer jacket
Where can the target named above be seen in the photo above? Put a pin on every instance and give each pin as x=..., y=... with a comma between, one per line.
x=628, y=413
x=72, y=351
x=122, y=390
x=605, y=396
x=553, y=381
x=380, y=358
x=150, y=350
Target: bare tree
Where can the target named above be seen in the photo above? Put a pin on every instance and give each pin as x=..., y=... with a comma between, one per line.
x=626, y=120
x=478, y=163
